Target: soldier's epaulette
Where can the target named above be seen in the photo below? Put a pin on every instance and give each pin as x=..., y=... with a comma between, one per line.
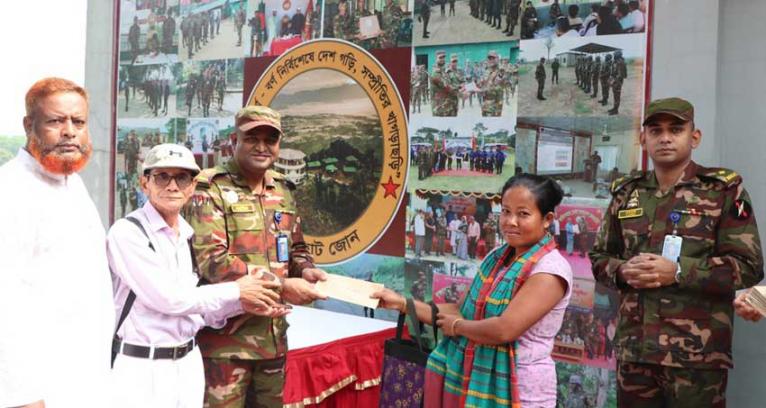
x=277, y=176
x=729, y=177
x=206, y=176
x=621, y=182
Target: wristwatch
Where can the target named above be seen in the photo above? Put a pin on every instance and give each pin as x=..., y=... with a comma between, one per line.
x=678, y=272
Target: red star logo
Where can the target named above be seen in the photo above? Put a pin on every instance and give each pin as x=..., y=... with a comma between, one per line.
x=390, y=188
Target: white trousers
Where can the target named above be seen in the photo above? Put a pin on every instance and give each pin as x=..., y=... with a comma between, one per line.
x=145, y=383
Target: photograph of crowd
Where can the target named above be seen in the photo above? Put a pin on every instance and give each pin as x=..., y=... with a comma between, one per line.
x=209, y=139
x=451, y=228
x=210, y=88
x=213, y=29
x=486, y=20
x=582, y=76
x=586, y=339
x=148, y=32
x=276, y=25
x=147, y=90
x=574, y=228
x=369, y=24
x=582, y=18
x=455, y=154
x=585, y=155
x=332, y=148
x=465, y=80
x=582, y=386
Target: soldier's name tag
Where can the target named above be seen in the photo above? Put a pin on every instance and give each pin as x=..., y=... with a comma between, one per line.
x=283, y=254
x=632, y=213
x=671, y=247
x=242, y=208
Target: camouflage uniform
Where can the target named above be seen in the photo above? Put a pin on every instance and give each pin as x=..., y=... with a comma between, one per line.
x=491, y=86
x=392, y=18
x=618, y=75
x=595, y=74
x=606, y=71
x=343, y=27
x=540, y=77
x=681, y=334
x=235, y=234
x=443, y=91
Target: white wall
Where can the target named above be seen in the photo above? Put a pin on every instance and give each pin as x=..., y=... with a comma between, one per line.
x=98, y=81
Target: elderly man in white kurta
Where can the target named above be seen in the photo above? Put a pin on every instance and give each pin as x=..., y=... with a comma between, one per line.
x=56, y=313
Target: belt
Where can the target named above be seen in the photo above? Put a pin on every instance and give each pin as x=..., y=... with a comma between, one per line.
x=154, y=353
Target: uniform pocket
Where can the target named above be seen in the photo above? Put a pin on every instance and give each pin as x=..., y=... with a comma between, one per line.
x=245, y=233
x=685, y=325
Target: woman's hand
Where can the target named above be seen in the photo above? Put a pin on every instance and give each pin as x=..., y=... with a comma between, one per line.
x=446, y=322
x=390, y=300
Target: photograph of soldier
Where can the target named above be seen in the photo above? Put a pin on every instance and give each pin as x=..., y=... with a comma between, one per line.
x=209, y=88
x=351, y=20
x=135, y=137
x=147, y=91
x=148, y=32
x=585, y=18
x=286, y=24
x=602, y=77
x=581, y=386
x=465, y=80
x=486, y=20
x=580, y=153
x=448, y=288
x=460, y=155
x=213, y=30
x=455, y=228
x=372, y=268
x=209, y=140
x=582, y=337
x=331, y=149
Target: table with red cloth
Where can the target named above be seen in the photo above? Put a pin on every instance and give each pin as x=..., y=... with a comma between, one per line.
x=334, y=359
x=280, y=45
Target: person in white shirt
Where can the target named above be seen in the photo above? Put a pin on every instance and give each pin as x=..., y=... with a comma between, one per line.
x=419, y=227
x=157, y=362
x=56, y=314
x=637, y=17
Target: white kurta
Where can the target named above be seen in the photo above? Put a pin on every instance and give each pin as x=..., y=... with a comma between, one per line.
x=56, y=310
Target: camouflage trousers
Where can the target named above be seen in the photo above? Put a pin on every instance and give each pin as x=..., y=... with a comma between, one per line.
x=655, y=386
x=244, y=383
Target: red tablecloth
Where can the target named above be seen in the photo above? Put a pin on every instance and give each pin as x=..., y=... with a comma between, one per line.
x=280, y=45
x=342, y=373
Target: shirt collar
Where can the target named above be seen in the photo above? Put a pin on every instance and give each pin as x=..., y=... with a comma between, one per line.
x=33, y=165
x=239, y=179
x=157, y=223
x=689, y=176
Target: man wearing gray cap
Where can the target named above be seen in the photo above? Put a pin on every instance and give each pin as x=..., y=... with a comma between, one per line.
x=676, y=242
x=161, y=306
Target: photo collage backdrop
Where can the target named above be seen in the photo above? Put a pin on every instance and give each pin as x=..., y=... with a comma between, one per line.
x=491, y=88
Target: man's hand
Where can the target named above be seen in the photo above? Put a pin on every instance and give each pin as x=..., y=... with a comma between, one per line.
x=258, y=293
x=314, y=274
x=648, y=271
x=744, y=310
x=277, y=311
x=38, y=404
x=300, y=292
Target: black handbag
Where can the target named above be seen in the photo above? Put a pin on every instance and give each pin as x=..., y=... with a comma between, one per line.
x=404, y=363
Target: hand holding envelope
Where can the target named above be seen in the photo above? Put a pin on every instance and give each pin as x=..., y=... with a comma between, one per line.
x=350, y=290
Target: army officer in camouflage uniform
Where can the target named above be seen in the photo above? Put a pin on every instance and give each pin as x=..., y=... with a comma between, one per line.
x=492, y=87
x=245, y=222
x=675, y=329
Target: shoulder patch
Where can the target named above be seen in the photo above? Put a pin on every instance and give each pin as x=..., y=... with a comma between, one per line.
x=621, y=182
x=206, y=176
x=727, y=176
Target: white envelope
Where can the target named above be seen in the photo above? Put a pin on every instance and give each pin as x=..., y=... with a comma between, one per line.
x=350, y=290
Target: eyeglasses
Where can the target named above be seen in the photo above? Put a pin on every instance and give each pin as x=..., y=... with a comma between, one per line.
x=183, y=180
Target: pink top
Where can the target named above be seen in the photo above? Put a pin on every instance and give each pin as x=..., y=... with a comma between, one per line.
x=535, y=367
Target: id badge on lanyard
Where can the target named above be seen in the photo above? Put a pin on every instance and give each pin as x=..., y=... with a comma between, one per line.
x=283, y=249
x=671, y=246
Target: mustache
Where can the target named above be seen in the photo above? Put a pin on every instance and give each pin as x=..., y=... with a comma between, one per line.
x=46, y=150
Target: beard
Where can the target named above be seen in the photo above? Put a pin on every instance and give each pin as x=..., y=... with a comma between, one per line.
x=56, y=163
